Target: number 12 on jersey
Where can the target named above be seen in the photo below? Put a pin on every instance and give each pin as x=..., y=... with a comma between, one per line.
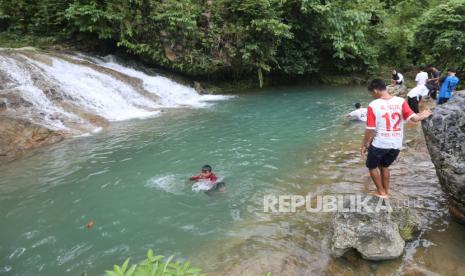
x=396, y=118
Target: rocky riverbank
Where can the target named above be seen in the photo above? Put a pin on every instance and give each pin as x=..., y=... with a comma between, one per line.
x=445, y=138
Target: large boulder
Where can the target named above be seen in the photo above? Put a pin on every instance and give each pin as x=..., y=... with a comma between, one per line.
x=445, y=137
x=376, y=233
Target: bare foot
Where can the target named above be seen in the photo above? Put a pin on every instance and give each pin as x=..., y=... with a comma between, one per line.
x=379, y=195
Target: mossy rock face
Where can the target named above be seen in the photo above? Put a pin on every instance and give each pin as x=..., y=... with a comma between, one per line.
x=408, y=221
x=407, y=232
x=343, y=80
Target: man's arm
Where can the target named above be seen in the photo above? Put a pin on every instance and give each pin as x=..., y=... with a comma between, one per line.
x=369, y=131
x=369, y=134
x=196, y=177
x=213, y=178
x=349, y=115
x=421, y=116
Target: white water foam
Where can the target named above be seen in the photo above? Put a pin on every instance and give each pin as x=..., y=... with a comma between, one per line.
x=102, y=94
x=167, y=183
x=22, y=81
x=171, y=93
x=204, y=185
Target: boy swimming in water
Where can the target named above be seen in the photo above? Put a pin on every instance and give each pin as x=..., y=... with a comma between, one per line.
x=205, y=173
x=359, y=114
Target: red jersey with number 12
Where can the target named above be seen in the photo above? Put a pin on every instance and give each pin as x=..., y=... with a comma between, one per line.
x=386, y=117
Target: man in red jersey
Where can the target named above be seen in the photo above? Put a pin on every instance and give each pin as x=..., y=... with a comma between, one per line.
x=384, y=133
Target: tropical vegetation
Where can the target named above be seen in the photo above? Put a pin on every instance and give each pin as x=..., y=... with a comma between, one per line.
x=232, y=39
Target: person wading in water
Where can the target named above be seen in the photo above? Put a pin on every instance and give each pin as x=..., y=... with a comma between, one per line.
x=384, y=133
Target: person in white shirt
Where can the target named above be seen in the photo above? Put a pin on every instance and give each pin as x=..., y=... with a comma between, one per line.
x=422, y=77
x=384, y=133
x=415, y=95
x=359, y=114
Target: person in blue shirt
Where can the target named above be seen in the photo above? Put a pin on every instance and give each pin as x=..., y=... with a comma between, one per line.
x=448, y=86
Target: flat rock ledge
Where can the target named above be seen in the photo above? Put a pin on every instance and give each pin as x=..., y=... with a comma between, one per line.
x=376, y=234
x=445, y=138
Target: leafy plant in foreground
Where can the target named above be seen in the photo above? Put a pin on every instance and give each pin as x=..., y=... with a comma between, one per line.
x=155, y=266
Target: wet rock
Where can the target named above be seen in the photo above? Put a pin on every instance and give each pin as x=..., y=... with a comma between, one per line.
x=3, y=104
x=11, y=98
x=408, y=222
x=397, y=90
x=445, y=138
x=377, y=234
x=170, y=54
x=206, y=88
x=19, y=135
x=197, y=86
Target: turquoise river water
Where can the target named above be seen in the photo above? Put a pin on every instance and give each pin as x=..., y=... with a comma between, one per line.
x=130, y=179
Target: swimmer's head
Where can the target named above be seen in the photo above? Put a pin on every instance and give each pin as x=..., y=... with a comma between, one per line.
x=358, y=105
x=206, y=168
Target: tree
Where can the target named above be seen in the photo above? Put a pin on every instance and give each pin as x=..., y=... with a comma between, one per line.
x=440, y=38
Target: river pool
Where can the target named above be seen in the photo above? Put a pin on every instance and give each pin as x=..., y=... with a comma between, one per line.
x=130, y=179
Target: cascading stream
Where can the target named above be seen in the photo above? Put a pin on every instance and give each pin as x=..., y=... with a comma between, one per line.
x=75, y=95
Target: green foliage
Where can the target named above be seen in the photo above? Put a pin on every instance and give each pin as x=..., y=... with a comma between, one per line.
x=155, y=266
x=400, y=22
x=440, y=38
x=9, y=40
x=345, y=29
x=252, y=38
x=38, y=17
x=214, y=37
x=92, y=18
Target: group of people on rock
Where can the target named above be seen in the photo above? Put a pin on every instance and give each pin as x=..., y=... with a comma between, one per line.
x=428, y=84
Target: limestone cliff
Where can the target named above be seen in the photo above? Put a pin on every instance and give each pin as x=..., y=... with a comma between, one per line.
x=445, y=138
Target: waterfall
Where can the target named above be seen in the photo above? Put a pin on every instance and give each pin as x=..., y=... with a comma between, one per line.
x=77, y=94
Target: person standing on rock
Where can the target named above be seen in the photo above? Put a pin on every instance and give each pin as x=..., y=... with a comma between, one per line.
x=384, y=133
x=433, y=83
x=448, y=86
